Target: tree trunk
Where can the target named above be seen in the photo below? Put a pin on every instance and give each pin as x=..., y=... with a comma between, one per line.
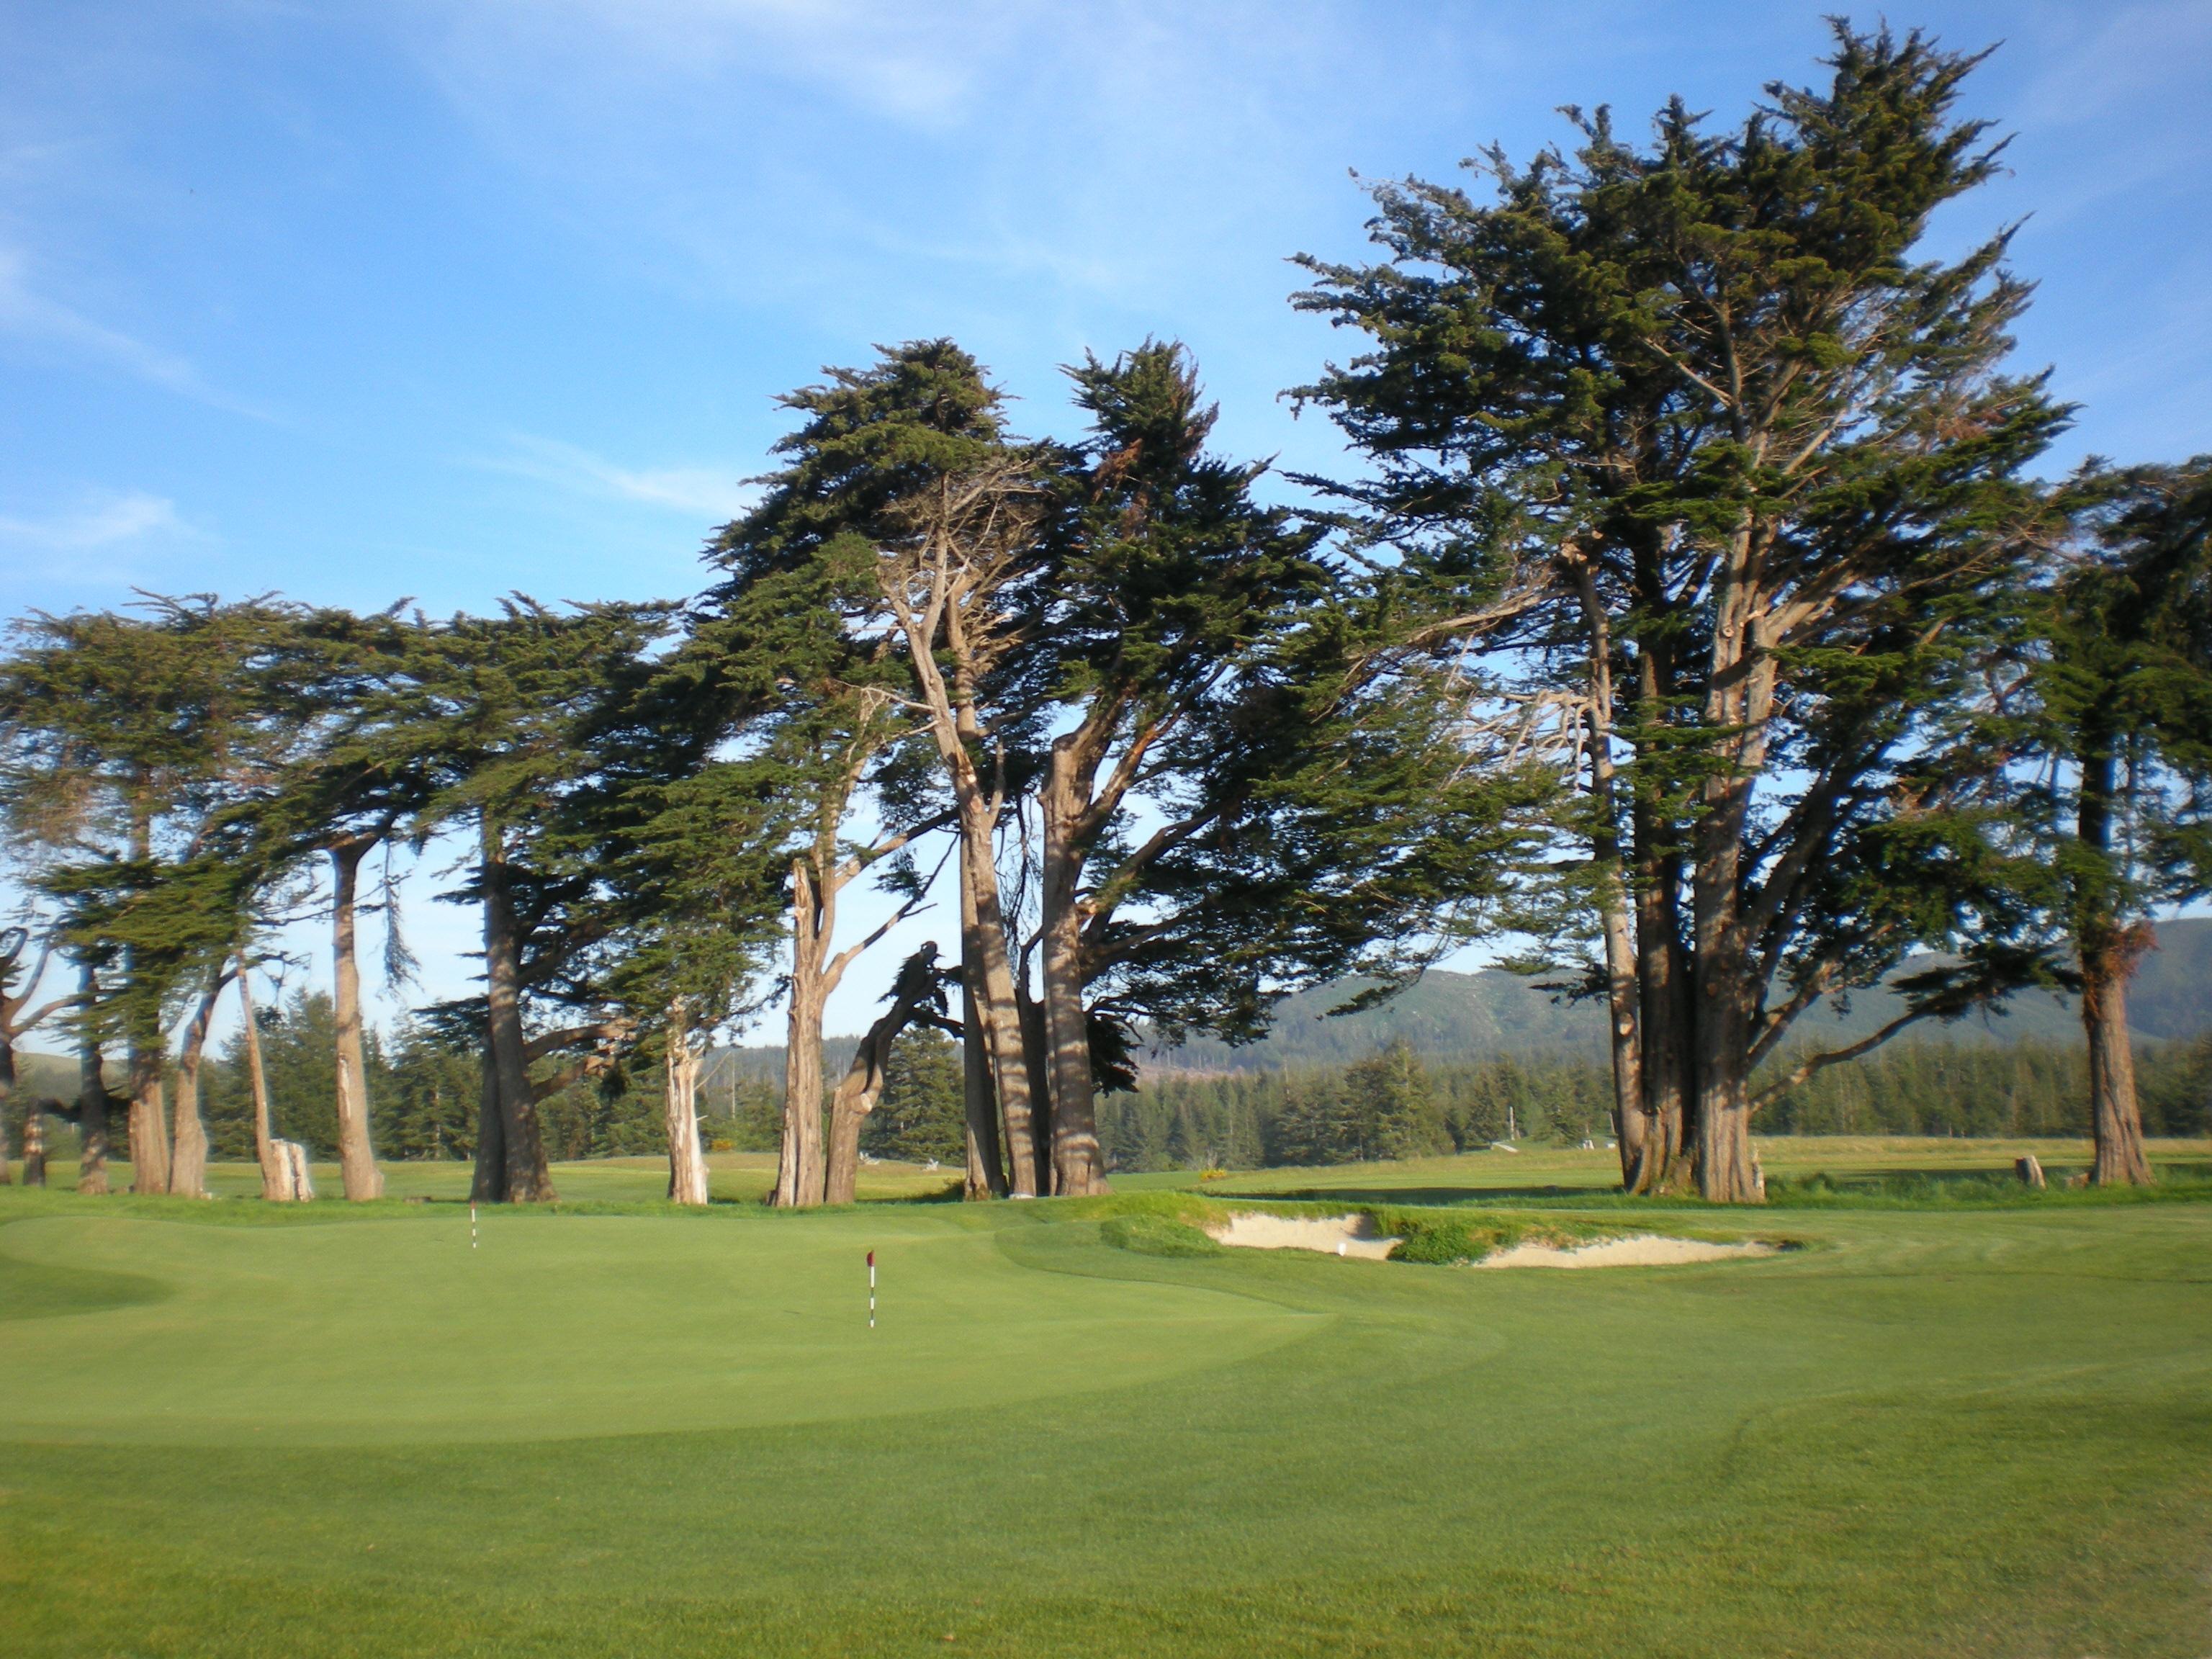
x=276, y=1180
x=987, y=1174
x=862, y=1086
x=7, y=1095
x=357, y=1169
x=188, y=1155
x=799, y=1171
x=1631, y=1112
x=986, y=1170
x=2108, y=951
x=995, y=1006
x=35, y=1144
x=149, y=1129
x=526, y=1179
x=91, y=1093
x=2108, y=956
x=687, y=1159
x=1078, y=1166
x=487, y=1181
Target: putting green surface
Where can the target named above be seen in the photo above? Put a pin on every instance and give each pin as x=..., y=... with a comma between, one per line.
x=1982, y=1433
x=549, y=1327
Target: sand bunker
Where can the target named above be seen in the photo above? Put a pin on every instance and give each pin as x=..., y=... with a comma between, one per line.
x=1355, y=1236
x=1335, y=1235
x=1645, y=1250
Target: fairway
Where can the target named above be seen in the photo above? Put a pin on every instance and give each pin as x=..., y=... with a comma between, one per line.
x=236, y=1431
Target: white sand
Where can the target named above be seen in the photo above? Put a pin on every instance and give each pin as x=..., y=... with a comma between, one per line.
x=1335, y=1235
x=1354, y=1235
x=1645, y=1250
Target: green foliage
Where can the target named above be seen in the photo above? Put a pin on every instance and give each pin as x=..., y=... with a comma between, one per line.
x=921, y=1115
x=1443, y=1240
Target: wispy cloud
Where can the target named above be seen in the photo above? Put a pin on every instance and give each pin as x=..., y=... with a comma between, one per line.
x=28, y=315
x=696, y=491
x=101, y=522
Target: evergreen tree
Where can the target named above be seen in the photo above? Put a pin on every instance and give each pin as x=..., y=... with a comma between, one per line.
x=2118, y=707
x=1698, y=459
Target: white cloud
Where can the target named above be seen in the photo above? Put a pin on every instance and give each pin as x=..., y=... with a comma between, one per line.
x=103, y=522
x=28, y=315
x=697, y=491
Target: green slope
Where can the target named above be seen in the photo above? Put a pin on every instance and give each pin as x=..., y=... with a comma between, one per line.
x=1977, y=1434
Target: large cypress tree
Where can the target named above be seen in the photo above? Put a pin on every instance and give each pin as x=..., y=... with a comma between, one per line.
x=2118, y=706
x=1690, y=445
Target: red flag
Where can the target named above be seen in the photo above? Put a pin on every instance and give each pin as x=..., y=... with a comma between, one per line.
x=872, y=1258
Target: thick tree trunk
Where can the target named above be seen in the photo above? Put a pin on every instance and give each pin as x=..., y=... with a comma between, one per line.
x=276, y=1181
x=526, y=1178
x=986, y=1172
x=996, y=1008
x=188, y=1149
x=91, y=1094
x=149, y=1129
x=35, y=1144
x=1078, y=1166
x=2108, y=952
x=357, y=1154
x=487, y=1181
x=1738, y=704
x=799, y=1171
x=8, y=1095
x=687, y=1159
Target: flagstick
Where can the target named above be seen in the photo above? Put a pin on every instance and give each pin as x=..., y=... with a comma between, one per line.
x=871, y=1290
x=472, y=1223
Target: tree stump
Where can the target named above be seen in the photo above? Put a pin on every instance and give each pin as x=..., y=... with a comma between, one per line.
x=294, y=1183
x=2029, y=1171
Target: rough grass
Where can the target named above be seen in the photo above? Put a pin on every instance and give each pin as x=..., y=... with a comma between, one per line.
x=1957, y=1428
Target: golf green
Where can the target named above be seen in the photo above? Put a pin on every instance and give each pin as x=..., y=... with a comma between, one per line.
x=1966, y=1431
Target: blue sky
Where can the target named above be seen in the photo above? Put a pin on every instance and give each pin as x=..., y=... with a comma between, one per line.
x=437, y=299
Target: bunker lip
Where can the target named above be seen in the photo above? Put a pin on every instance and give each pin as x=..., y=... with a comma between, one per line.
x=1353, y=1234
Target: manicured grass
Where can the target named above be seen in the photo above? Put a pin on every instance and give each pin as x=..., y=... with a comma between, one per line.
x=1943, y=1430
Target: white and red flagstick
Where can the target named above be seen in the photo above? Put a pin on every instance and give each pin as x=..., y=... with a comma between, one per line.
x=871, y=1290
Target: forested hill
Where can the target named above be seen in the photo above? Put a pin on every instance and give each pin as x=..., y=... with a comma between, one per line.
x=1474, y=1016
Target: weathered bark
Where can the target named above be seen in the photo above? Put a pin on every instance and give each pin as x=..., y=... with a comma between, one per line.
x=799, y=1171
x=1070, y=820
x=986, y=1170
x=357, y=1169
x=1739, y=702
x=275, y=1180
x=862, y=1086
x=189, y=1148
x=296, y=1179
x=35, y=1144
x=149, y=1129
x=91, y=1093
x=525, y=1177
x=996, y=1009
x=2108, y=958
x=7, y=1095
x=2108, y=951
x=687, y=1159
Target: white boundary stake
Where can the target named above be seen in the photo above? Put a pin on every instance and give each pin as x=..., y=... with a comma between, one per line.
x=472, y=1223
x=871, y=1290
